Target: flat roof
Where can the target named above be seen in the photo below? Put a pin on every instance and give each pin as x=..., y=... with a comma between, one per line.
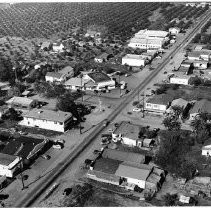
x=132, y=56
x=128, y=130
x=99, y=77
x=123, y=156
x=20, y=100
x=128, y=171
x=56, y=116
x=154, y=33
x=163, y=99
x=6, y=159
x=146, y=41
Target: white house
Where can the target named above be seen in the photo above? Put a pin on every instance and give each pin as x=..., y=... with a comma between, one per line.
x=180, y=80
x=47, y=119
x=158, y=104
x=206, y=149
x=60, y=76
x=133, y=60
x=134, y=175
x=21, y=103
x=102, y=58
x=174, y=30
x=58, y=47
x=9, y=164
x=195, y=55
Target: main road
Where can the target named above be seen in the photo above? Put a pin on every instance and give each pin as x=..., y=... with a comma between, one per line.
x=30, y=197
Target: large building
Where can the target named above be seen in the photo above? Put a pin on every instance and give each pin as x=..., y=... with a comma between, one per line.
x=133, y=60
x=47, y=119
x=148, y=39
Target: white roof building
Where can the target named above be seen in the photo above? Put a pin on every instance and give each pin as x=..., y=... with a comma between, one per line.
x=133, y=60
x=47, y=119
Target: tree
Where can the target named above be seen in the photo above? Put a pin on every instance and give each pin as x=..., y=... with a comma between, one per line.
x=171, y=123
x=170, y=199
x=178, y=110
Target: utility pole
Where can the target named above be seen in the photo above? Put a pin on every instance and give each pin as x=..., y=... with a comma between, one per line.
x=79, y=120
x=81, y=87
x=143, y=104
x=119, y=85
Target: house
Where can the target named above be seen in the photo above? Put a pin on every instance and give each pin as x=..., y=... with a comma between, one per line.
x=4, y=86
x=184, y=199
x=202, y=106
x=199, y=55
x=180, y=102
x=77, y=83
x=198, y=47
x=9, y=164
x=133, y=60
x=47, y=119
x=101, y=81
x=195, y=55
x=101, y=58
x=158, y=104
x=46, y=46
x=136, y=176
x=128, y=134
x=60, y=76
x=92, y=33
x=58, y=47
x=174, y=30
x=21, y=103
x=206, y=149
x=180, y=80
x=27, y=148
x=199, y=64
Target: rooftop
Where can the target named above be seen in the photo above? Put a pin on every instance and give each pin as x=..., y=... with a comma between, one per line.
x=128, y=130
x=57, y=116
x=201, y=106
x=106, y=165
x=123, y=156
x=20, y=100
x=163, y=99
x=179, y=102
x=125, y=170
x=76, y=81
x=132, y=56
x=23, y=146
x=66, y=70
x=153, y=33
x=103, y=56
x=99, y=77
x=54, y=75
x=146, y=41
x=6, y=159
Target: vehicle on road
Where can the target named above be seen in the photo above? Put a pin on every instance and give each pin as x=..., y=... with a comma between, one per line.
x=116, y=125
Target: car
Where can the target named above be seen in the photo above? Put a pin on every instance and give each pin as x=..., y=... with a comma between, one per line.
x=137, y=110
x=116, y=125
x=47, y=157
x=23, y=132
x=96, y=151
x=58, y=146
x=106, y=123
x=105, y=142
x=62, y=141
x=165, y=72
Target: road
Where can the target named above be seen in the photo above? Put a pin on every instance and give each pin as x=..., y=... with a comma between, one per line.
x=41, y=187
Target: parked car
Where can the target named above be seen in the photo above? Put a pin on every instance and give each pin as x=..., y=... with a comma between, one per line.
x=62, y=141
x=136, y=109
x=58, y=146
x=105, y=142
x=96, y=151
x=47, y=157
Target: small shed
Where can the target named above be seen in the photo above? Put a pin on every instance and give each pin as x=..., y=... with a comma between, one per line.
x=148, y=142
x=184, y=199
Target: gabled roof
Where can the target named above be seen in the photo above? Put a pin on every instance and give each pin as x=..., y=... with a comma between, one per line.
x=139, y=173
x=162, y=99
x=179, y=102
x=201, y=106
x=66, y=70
x=50, y=115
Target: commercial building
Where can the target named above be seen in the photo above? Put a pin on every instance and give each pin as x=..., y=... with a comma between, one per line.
x=158, y=104
x=60, y=76
x=9, y=164
x=180, y=80
x=21, y=103
x=133, y=60
x=47, y=119
x=149, y=39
